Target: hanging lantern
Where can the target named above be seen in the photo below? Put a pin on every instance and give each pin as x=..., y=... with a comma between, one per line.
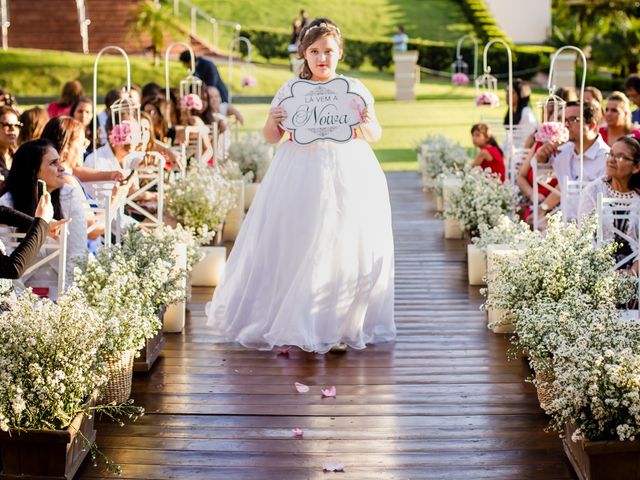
x=459, y=70
x=125, y=118
x=190, y=85
x=487, y=90
x=553, y=128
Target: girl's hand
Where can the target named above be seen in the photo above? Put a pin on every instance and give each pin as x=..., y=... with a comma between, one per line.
x=365, y=116
x=277, y=115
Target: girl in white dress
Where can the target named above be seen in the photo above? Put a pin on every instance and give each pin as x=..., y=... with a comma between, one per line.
x=313, y=264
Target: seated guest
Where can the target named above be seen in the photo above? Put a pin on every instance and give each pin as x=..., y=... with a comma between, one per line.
x=593, y=94
x=82, y=111
x=632, y=87
x=524, y=119
x=33, y=121
x=617, y=115
x=158, y=109
x=223, y=108
x=71, y=92
x=115, y=154
x=621, y=180
x=565, y=158
x=109, y=99
x=38, y=160
x=490, y=155
x=9, y=132
x=151, y=89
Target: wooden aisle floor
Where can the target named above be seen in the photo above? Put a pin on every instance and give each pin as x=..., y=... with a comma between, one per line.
x=442, y=402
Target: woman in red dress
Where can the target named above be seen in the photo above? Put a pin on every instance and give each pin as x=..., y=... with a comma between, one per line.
x=617, y=115
x=490, y=155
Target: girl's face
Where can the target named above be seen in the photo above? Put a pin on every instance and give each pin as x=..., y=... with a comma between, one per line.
x=479, y=139
x=322, y=57
x=619, y=163
x=73, y=154
x=214, y=98
x=84, y=113
x=9, y=130
x=614, y=114
x=51, y=170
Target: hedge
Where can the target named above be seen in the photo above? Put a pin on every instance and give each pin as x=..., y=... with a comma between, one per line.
x=272, y=43
x=483, y=22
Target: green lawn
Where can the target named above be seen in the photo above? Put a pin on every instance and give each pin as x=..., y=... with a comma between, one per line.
x=427, y=19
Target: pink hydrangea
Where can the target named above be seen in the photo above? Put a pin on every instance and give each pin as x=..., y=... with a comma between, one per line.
x=122, y=133
x=554, y=132
x=487, y=98
x=460, y=79
x=249, y=81
x=191, y=102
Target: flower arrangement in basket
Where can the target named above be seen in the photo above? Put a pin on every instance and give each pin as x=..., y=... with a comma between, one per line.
x=507, y=231
x=193, y=239
x=489, y=99
x=191, y=101
x=253, y=155
x=125, y=133
x=438, y=154
x=201, y=199
x=460, y=78
x=482, y=199
x=553, y=132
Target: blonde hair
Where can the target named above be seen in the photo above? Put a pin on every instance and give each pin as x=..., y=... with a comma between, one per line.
x=320, y=27
x=622, y=98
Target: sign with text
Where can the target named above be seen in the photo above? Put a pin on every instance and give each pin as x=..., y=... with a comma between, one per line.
x=322, y=111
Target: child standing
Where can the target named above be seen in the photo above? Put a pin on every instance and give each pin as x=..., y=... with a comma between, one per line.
x=490, y=155
x=313, y=264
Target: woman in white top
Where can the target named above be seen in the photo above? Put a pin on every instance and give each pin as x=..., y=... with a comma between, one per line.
x=622, y=180
x=39, y=160
x=524, y=119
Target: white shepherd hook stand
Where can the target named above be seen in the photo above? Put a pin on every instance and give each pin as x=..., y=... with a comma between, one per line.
x=232, y=46
x=487, y=71
x=459, y=65
x=166, y=69
x=95, y=85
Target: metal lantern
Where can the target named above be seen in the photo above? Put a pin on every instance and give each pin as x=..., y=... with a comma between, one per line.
x=487, y=85
x=553, y=108
x=190, y=85
x=459, y=66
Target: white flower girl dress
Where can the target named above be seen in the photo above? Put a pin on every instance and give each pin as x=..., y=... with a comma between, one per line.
x=313, y=264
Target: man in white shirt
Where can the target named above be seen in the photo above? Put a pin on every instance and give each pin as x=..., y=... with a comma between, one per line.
x=565, y=158
x=400, y=40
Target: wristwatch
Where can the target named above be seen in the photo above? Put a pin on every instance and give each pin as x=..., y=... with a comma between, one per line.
x=544, y=207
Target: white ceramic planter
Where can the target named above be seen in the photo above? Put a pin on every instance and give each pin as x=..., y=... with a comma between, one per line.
x=233, y=220
x=208, y=271
x=440, y=203
x=450, y=186
x=250, y=190
x=175, y=314
x=452, y=229
x=476, y=265
x=498, y=319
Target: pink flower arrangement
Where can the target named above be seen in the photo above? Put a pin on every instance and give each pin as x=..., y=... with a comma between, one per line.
x=460, y=79
x=191, y=102
x=487, y=98
x=124, y=133
x=554, y=132
x=249, y=81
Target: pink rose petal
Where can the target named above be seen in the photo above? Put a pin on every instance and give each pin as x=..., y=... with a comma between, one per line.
x=297, y=433
x=301, y=387
x=333, y=467
x=328, y=392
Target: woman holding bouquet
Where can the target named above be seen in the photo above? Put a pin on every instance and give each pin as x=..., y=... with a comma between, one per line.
x=313, y=263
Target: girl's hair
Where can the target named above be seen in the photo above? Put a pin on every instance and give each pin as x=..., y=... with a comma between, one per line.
x=207, y=113
x=21, y=181
x=320, y=27
x=6, y=110
x=61, y=131
x=160, y=126
x=523, y=90
x=152, y=134
x=624, y=100
x=33, y=121
x=634, y=146
x=79, y=102
x=71, y=91
x=484, y=129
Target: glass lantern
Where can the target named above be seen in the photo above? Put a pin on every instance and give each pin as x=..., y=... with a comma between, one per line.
x=487, y=90
x=553, y=108
x=190, y=85
x=459, y=66
x=125, y=109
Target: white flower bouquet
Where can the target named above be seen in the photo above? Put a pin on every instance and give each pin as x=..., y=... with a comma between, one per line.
x=252, y=154
x=438, y=154
x=50, y=361
x=482, y=199
x=506, y=231
x=188, y=236
x=201, y=199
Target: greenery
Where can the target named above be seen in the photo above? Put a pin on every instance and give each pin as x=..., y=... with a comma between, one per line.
x=155, y=21
x=483, y=22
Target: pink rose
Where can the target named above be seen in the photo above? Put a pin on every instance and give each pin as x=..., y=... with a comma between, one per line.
x=487, y=98
x=191, y=102
x=554, y=132
x=121, y=134
x=460, y=79
x=249, y=81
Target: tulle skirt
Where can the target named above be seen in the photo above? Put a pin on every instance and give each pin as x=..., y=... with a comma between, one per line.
x=313, y=264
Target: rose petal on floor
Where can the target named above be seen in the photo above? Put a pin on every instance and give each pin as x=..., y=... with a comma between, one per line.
x=301, y=387
x=328, y=392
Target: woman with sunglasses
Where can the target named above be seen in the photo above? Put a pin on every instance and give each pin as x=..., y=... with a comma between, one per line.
x=621, y=180
x=9, y=132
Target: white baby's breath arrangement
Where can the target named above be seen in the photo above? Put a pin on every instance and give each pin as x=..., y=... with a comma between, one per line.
x=252, y=154
x=230, y=171
x=109, y=284
x=507, y=231
x=193, y=239
x=50, y=361
x=439, y=154
x=481, y=199
x=201, y=199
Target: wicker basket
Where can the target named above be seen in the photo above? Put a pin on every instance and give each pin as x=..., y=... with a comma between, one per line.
x=544, y=386
x=119, y=373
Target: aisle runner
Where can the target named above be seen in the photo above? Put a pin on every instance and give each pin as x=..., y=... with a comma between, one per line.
x=442, y=402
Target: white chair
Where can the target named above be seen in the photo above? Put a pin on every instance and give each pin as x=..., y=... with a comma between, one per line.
x=198, y=143
x=52, y=250
x=570, y=191
x=543, y=174
x=152, y=176
x=108, y=209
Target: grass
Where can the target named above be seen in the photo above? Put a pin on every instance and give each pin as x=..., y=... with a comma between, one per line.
x=427, y=19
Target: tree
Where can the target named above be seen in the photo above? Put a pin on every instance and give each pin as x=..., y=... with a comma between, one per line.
x=152, y=20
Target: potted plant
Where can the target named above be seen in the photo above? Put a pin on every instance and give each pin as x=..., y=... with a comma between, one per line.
x=253, y=156
x=438, y=154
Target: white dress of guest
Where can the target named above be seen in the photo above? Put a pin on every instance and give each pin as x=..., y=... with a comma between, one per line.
x=566, y=164
x=589, y=204
x=105, y=160
x=72, y=204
